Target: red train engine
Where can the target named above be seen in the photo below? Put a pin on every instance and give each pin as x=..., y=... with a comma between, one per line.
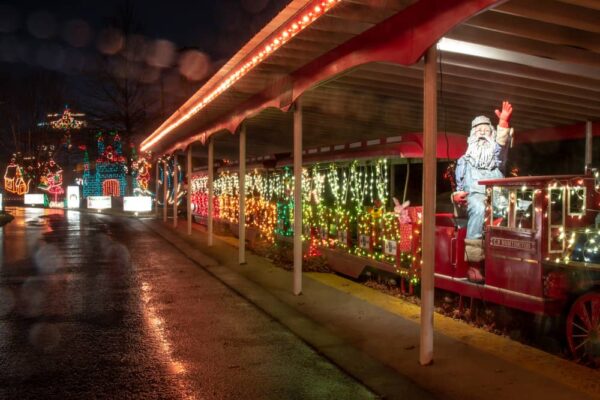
x=542, y=253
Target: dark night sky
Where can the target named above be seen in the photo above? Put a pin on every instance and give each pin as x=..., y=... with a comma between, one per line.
x=218, y=27
x=64, y=39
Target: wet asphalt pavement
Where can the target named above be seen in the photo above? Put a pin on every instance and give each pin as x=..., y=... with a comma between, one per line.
x=97, y=307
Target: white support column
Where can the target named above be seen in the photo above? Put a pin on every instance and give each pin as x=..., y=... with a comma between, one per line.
x=242, y=196
x=188, y=169
x=298, y=197
x=392, y=184
x=211, y=163
x=165, y=202
x=589, y=140
x=429, y=194
x=175, y=184
x=156, y=209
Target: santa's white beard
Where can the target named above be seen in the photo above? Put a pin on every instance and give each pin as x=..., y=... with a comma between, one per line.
x=481, y=152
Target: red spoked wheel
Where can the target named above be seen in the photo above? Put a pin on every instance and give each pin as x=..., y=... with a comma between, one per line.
x=583, y=328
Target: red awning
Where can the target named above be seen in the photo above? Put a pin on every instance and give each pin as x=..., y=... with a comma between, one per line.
x=542, y=56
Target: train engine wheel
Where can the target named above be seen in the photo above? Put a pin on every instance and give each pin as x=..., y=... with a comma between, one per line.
x=583, y=328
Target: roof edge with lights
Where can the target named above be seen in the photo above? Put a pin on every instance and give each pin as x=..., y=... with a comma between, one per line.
x=431, y=19
x=300, y=20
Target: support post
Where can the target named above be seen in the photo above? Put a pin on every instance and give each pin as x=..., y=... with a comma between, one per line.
x=165, y=202
x=298, y=197
x=429, y=194
x=392, y=183
x=209, y=217
x=188, y=169
x=175, y=185
x=156, y=210
x=242, y=196
x=588, y=146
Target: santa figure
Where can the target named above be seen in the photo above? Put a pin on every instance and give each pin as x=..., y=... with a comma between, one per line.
x=143, y=175
x=485, y=159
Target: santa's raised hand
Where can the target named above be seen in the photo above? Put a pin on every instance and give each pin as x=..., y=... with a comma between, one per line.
x=504, y=115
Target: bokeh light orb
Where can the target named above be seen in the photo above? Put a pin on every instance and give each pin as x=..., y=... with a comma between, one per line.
x=194, y=65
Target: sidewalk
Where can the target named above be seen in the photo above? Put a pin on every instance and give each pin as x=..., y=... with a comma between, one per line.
x=375, y=337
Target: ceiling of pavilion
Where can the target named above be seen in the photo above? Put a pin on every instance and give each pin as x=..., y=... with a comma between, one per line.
x=559, y=85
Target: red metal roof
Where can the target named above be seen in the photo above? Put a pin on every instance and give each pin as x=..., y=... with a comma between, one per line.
x=542, y=56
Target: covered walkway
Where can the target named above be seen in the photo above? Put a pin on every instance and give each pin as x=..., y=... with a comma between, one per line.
x=327, y=72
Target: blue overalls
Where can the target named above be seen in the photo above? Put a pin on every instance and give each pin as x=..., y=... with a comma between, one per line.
x=467, y=178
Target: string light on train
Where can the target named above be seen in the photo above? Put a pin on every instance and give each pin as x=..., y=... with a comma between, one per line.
x=335, y=196
x=199, y=197
x=285, y=210
x=581, y=245
x=262, y=215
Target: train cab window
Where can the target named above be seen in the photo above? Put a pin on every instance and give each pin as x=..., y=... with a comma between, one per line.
x=577, y=201
x=500, y=206
x=556, y=218
x=523, y=208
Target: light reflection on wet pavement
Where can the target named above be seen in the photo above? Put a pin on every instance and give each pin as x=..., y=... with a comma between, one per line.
x=95, y=306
